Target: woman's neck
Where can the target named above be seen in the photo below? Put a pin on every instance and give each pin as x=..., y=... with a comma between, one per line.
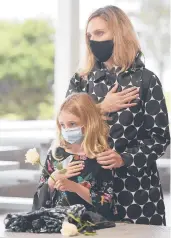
x=109, y=64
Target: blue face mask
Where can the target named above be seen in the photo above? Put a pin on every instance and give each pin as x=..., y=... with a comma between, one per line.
x=73, y=135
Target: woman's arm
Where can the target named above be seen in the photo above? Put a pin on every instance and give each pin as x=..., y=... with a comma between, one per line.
x=153, y=134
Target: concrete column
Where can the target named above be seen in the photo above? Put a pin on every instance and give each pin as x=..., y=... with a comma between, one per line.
x=67, y=47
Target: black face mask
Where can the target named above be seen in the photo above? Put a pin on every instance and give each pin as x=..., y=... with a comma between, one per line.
x=102, y=50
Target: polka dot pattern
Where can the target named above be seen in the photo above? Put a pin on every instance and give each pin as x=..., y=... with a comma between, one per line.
x=140, y=135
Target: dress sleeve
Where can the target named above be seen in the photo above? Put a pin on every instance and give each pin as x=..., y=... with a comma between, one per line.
x=153, y=134
x=42, y=197
x=101, y=192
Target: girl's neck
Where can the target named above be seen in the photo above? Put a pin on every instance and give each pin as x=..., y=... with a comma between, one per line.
x=75, y=149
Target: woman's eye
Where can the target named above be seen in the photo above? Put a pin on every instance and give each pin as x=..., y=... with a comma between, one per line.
x=100, y=33
x=88, y=36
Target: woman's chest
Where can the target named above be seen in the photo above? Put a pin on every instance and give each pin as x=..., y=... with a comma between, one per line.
x=99, y=83
x=126, y=124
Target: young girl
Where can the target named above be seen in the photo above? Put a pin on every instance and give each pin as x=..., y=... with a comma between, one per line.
x=82, y=135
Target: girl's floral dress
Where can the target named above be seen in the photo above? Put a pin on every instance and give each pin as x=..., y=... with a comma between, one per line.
x=93, y=176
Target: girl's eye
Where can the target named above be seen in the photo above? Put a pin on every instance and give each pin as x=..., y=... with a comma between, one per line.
x=73, y=124
x=62, y=125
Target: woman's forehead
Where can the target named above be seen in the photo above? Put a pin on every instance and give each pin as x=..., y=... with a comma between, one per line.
x=97, y=23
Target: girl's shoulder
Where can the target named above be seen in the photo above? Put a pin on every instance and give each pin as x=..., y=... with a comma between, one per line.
x=57, y=152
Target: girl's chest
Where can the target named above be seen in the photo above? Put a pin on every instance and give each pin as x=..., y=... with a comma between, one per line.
x=89, y=173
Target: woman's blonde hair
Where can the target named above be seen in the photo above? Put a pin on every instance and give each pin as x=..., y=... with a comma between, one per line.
x=126, y=44
x=95, y=129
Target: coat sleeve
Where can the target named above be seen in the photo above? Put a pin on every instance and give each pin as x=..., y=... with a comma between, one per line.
x=101, y=193
x=153, y=134
x=74, y=85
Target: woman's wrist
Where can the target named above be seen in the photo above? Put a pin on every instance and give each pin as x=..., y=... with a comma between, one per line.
x=101, y=107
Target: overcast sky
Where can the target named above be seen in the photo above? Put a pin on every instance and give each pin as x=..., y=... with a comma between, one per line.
x=23, y=9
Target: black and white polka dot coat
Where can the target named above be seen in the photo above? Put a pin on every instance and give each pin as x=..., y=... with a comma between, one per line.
x=139, y=134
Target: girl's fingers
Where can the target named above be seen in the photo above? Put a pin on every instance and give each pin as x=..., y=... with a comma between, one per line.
x=75, y=163
x=73, y=174
x=74, y=170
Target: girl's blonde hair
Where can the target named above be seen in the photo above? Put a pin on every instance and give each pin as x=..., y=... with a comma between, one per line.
x=126, y=44
x=95, y=129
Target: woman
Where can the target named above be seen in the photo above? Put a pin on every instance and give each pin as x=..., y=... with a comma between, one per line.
x=139, y=134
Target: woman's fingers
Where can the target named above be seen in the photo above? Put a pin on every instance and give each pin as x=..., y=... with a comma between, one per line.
x=105, y=153
x=128, y=90
x=129, y=99
x=128, y=105
x=106, y=162
x=113, y=90
x=133, y=93
x=109, y=166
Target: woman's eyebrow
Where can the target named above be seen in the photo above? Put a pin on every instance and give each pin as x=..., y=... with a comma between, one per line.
x=95, y=31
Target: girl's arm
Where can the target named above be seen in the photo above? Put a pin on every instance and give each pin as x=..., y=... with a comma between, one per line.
x=42, y=195
x=83, y=192
x=98, y=192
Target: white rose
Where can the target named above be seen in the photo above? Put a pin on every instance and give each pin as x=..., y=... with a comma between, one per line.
x=69, y=229
x=32, y=156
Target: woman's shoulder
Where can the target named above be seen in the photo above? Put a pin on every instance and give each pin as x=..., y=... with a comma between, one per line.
x=146, y=73
x=149, y=79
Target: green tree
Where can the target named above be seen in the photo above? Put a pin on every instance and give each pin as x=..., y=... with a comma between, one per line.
x=26, y=69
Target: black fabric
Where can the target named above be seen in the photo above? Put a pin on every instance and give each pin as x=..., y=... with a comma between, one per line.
x=102, y=50
x=140, y=134
x=146, y=81
x=50, y=220
x=93, y=177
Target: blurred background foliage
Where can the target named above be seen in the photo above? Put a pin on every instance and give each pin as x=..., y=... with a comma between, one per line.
x=26, y=69
x=27, y=51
